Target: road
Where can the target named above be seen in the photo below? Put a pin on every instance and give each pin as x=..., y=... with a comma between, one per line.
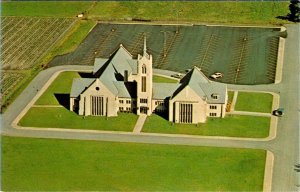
x=284, y=146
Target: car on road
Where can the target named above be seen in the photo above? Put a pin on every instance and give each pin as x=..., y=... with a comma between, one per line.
x=278, y=112
x=216, y=75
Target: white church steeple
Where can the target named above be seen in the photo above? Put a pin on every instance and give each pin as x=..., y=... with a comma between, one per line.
x=145, y=47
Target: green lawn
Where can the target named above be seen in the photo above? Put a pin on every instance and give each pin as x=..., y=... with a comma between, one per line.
x=255, y=102
x=207, y=12
x=44, y=9
x=160, y=79
x=230, y=96
x=61, y=85
x=72, y=165
x=75, y=36
x=231, y=126
x=60, y=117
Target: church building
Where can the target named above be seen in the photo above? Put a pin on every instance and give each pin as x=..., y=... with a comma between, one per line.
x=124, y=84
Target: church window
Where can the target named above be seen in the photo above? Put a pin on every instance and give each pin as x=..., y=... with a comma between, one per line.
x=97, y=106
x=143, y=84
x=144, y=70
x=143, y=100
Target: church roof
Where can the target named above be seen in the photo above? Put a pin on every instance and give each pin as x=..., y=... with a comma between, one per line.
x=79, y=85
x=98, y=64
x=125, y=89
x=202, y=86
x=114, y=70
x=111, y=73
x=164, y=90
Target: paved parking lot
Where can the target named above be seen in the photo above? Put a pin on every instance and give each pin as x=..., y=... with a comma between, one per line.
x=246, y=55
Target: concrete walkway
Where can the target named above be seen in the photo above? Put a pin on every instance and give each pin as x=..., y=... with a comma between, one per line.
x=235, y=95
x=47, y=106
x=250, y=113
x=139, y=124
x=268, y=172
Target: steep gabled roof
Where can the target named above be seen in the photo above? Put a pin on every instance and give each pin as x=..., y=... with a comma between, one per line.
x=216, y=89
x=111, y=73
x=164, y=90
x=125, y=89
x=98, y=64
x=202, y=86
x=79, y=85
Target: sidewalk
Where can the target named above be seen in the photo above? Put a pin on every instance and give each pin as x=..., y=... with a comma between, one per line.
x=139, y=124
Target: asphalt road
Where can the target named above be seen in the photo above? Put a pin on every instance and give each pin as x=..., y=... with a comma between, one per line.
x=285, y=146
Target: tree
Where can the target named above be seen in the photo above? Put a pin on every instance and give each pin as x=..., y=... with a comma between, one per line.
x=295, y=10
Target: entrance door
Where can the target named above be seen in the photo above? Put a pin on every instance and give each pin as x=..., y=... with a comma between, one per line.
x=97, y=106
x=185, y=113
x=143, y=110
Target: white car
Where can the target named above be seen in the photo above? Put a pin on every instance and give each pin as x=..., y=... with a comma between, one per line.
x=216, y=75
x=177, y=75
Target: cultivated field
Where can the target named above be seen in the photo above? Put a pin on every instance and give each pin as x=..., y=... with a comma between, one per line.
x=24, y=41
x=9, y=80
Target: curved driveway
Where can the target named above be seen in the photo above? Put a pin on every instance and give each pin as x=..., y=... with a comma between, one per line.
x=284, y=146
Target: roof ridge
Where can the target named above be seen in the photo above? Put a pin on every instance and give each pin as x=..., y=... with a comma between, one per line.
x=122, y=46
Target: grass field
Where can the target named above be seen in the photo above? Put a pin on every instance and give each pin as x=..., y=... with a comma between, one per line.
x=231, y=126
x=207, y=12
x=75, y=36
x=60, y=117
x=227, y=12
x=160, y=79
x=255, y=102
x=56, y=165
x=61, y=85
x=230, y=96
x=44, y=9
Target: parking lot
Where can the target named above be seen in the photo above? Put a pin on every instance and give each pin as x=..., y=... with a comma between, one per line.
x=245, y=55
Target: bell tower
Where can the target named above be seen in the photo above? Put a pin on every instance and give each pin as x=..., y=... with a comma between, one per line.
x=144, y=82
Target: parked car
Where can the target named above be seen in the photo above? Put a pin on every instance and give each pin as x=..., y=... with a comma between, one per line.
x=216, y=75
x=177, y=75
x=278, y=112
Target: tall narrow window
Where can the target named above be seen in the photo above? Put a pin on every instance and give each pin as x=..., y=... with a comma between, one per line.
x=143, y=84
x=185, y=113
x=97, y=106
x=144, y=70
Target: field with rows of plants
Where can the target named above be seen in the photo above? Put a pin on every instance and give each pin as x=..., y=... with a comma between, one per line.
x=24, y=41
x=9, y=81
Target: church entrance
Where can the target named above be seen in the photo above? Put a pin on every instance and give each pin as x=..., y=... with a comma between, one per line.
x=97, y=106
x=143, y=110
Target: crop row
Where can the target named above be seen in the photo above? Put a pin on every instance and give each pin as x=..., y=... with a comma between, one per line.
x=25, y=40
x=9, y=80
